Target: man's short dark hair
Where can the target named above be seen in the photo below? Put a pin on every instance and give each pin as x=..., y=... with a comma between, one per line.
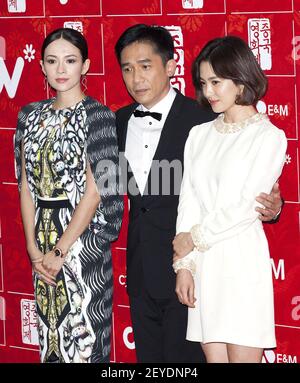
x=231, y=58
x=159, y=37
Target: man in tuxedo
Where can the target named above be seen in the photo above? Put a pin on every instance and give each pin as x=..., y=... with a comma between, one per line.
x=152, y=133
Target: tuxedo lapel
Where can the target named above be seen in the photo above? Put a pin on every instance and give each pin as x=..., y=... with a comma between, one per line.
x=168, y=128
x=166, y=135
x=122, y=142
x=124, y=124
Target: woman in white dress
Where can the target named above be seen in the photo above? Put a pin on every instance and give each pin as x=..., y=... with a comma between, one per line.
x=221, y=251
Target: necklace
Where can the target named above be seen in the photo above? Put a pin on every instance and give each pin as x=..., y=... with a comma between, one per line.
x=232, y=127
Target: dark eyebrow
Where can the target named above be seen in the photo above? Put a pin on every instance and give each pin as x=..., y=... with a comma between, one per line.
x=64, y=56
x=143, y=61
x=210, y=78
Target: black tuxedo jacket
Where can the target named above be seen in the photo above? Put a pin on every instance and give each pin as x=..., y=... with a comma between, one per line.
x=152, y=217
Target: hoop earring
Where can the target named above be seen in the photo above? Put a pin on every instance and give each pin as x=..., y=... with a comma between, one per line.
x=84, y=83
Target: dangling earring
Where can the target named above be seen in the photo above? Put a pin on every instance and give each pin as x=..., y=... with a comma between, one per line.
x=45, y=82
x=84, y=83
x=50, y=92
x=237, y=98
x=48, y=88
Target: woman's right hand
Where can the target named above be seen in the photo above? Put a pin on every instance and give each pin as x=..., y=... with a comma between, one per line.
x=185, y=288
x=37, y=266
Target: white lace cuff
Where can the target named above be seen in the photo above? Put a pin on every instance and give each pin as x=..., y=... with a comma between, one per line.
x=185, y=263
x=199, y=239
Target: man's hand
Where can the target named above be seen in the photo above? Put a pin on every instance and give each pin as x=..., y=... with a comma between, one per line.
x=185, y=288
x=272, y=204
x=183, y=244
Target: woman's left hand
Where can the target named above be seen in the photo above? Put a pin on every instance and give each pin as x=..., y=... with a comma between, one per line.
x=52, y=263
x=183, y=244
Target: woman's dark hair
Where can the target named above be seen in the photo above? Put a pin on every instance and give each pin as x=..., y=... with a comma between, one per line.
x=72, y=36
x=231, y=58
x=159, y=37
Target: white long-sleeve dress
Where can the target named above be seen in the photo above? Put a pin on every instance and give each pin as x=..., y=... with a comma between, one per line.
x=225, y=167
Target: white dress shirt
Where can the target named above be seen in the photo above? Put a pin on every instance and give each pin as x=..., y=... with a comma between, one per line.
x=142, y=139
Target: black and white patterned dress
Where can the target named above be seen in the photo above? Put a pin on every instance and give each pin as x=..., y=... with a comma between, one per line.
x=74, y=317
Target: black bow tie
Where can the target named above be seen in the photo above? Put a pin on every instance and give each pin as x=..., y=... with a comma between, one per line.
x=140, y=113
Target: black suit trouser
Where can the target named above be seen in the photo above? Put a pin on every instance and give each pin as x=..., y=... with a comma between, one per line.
x=159, y=327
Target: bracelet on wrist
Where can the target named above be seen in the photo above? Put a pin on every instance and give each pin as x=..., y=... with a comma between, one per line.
x=36, y=260
x=58, y=252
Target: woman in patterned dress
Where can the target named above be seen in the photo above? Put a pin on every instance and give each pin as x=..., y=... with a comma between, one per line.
x=67, y=167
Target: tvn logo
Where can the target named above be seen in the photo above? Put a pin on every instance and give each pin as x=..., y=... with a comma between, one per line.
x=192, y=4
x=16, y=6
x=11, y=82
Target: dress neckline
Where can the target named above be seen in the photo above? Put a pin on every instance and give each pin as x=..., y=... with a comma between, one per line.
x=233, y=127
x=68, y=108
x=48, y=111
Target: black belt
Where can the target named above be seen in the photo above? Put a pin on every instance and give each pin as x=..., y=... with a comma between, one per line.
x=53, y=204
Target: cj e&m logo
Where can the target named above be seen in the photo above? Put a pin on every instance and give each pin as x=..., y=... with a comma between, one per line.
x=273, y=109
x=271, y=356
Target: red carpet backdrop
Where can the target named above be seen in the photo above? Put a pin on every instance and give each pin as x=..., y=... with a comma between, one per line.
x=272, y=29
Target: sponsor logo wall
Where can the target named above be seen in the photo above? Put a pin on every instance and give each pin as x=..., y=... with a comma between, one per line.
x=272, y=30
